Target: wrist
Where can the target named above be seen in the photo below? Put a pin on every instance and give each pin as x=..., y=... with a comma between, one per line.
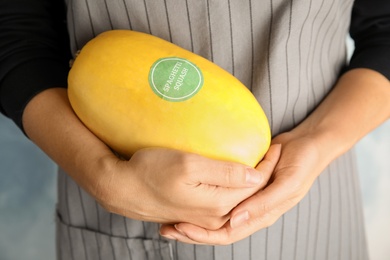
x=328, y=143
x=358, y=103
x=50, y=123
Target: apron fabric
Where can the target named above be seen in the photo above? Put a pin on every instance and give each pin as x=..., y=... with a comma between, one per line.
x=289, y=54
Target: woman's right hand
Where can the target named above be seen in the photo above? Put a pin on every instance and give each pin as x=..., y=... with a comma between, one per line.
x=159, y=185
x=170, y=186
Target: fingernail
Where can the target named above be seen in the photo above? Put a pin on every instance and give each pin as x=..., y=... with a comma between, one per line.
x=239, y=219
x=253, y=176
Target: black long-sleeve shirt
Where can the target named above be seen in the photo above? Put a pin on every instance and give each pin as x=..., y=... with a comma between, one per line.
x=34, y=52
x=34, y=47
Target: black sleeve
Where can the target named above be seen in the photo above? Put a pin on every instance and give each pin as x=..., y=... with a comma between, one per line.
x=34, y=52
x=370, y=29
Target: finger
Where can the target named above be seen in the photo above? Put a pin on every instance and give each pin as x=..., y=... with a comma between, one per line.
x=170, y=232
x=234, y=175
x=267, y=205
x=189, y=233
x=228, y=175
x=224, y=183
x=271, y=158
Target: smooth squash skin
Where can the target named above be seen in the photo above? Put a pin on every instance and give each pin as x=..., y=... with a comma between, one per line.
x=118, y=87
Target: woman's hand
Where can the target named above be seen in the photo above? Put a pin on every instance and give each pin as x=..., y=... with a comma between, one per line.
x=358, y=103
x=169, y=186
x=297, y=168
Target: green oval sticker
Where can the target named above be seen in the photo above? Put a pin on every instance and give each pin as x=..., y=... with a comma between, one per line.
x=175, y=79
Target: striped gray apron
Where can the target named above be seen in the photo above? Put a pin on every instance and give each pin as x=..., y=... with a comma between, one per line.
x=289, y=54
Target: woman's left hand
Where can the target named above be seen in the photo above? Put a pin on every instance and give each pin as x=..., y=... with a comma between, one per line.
x=358, y=103
x=293, y=170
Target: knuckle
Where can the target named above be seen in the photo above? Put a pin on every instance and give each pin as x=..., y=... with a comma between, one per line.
x=186, y=164
x=267, y=219
x=233, y=173
x=229, y=172
x=262, y=209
